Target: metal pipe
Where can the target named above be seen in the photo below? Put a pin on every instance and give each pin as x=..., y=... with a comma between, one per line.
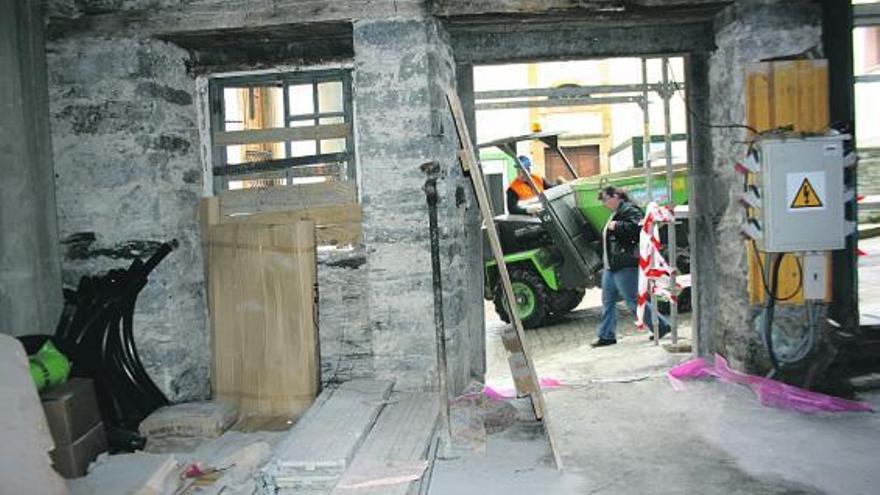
x=432, y=170
x=666, y=94
x=550, y=103
x=554, y=143
x=580, y=91
x=646, y=164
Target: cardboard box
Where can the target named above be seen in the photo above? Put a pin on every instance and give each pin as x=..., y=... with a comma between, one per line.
x=71, y=410
x=72, y=461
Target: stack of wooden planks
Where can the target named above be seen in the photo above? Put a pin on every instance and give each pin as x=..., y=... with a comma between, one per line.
x=260, y=250
x=318, y=449
x=395, y=456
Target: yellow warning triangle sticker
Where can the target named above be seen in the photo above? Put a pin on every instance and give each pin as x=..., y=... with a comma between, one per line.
x=806, y=197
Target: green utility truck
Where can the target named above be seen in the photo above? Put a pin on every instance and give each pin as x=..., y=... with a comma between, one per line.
x=555, y=255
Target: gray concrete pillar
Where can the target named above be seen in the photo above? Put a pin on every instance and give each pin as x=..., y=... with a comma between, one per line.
x=402, y=68
x=30, y=270
x=703, y=189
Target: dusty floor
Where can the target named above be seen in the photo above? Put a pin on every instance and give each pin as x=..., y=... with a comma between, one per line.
x=869, y=280
x=620, y=428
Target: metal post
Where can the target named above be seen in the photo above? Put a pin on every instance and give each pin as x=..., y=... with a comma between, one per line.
x=670, y=201
x=432, y=170
x=646, y=163
x=574, y=174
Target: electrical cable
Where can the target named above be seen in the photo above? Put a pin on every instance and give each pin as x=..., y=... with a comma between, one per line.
x=698, y=119
x=805, y=344
x=764, y=283
x=770, y=289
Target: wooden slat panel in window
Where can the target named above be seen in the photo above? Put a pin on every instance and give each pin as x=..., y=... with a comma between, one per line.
x=287, y=198
x=328, y=131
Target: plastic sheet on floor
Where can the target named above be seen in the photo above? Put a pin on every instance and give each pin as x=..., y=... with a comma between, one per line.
x=499, y=393
x=770, y=392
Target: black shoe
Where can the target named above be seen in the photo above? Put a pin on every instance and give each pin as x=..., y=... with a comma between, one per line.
x=663, y=331
x=603, y=342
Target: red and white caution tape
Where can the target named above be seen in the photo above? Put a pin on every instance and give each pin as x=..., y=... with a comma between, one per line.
x=652, y=264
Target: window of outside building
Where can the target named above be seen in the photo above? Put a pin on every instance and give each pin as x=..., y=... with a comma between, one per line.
x=282, y=129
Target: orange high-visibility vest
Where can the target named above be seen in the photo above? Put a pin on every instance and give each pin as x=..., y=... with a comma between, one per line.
x=523, y=190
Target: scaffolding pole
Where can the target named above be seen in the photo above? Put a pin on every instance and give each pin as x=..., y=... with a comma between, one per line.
x=646, y=164
x=666, y=94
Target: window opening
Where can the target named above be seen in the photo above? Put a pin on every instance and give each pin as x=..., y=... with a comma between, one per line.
x=282, y=129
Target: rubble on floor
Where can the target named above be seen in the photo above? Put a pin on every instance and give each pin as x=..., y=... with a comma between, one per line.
x=226, y=464
x=136, y=474
x=359, y=438
x=183, y=427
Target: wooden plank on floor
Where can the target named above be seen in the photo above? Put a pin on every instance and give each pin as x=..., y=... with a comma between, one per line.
x=395, y=449
x=319, y=448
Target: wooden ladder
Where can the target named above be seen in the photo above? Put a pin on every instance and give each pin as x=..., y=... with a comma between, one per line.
x=521, y=366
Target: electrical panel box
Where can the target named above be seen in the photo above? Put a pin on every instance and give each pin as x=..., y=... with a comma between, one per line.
x=814, y=276
x=799, y=185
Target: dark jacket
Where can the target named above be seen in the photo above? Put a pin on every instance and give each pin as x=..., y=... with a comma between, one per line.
x=622, y=243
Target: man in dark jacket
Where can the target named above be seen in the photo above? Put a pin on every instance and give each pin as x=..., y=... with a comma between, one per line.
x=620, y=257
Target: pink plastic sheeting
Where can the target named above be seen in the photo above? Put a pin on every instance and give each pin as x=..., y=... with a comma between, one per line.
x=509, y=393
x=770, y=392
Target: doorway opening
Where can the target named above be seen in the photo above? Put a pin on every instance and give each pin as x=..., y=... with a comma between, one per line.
x=581, y=125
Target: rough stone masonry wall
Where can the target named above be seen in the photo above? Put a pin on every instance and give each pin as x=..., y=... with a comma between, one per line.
x=401, y=122
x=124, y=122
x=748, y=31
x=459, y=218
x=128, y=177
x=346, y=343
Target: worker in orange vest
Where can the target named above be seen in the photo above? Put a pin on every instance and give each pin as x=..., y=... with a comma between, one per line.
x=520, y=190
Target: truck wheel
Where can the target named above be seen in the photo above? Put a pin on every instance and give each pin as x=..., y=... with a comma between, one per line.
x=565, y=300
x=531, y=297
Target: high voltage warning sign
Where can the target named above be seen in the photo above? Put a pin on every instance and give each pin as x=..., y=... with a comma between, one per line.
x=806, y=197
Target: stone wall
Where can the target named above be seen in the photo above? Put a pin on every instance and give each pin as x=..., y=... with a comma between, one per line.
x=748, y=31
x=401, y=119
x=128, y=177
x=460, y=235
x=123, y=114
x=345, y=339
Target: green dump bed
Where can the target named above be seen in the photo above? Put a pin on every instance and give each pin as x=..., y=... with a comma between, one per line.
x=586, y=191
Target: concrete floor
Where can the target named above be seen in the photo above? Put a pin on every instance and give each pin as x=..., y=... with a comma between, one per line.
x=620, y=428
x=869, y=280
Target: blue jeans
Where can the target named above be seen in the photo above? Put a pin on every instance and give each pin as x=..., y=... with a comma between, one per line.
x=622, y=283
